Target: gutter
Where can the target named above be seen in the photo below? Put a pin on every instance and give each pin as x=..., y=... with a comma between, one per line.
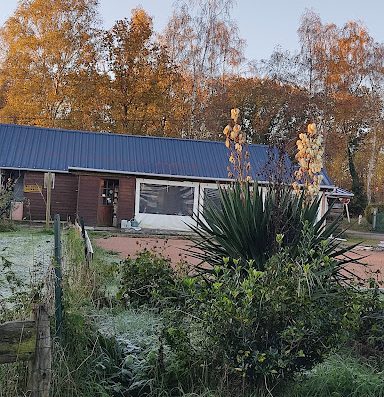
x=147, y=174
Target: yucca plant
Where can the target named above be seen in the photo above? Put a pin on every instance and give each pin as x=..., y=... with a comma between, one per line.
x=245, y=226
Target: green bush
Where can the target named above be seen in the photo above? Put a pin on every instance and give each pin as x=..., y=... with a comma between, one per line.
x=263, y=326
x=369, y=211
x=147, y=279
x=370, y=336
x=6, y=193
x=7, y=225
x=246, y=225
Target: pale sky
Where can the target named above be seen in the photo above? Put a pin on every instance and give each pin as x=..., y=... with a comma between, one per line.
x=263, y=24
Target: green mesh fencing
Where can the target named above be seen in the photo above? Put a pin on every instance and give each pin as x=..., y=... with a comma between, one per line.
x=380, y=222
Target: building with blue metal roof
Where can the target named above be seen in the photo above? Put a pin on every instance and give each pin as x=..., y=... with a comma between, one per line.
x=107, y=178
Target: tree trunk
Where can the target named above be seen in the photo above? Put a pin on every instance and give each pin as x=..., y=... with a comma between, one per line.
x=371, y=166
x=359, y=201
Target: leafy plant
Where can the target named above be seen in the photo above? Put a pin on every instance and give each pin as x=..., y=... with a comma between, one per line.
x=6, y=192
x=147, y=279
x=260, y=327
x=370, y=336
x=7, y=225
x=131, y=341
x=246, y=225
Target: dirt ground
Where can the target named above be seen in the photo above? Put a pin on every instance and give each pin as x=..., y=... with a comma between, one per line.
x=175, y=249
x=172, y=248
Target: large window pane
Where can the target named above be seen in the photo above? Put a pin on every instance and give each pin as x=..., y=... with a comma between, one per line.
x=166, y=199
x=211, y=199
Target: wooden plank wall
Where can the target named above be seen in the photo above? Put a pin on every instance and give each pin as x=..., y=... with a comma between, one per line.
x=88, y=198
x=126, y=203
x=77, y=194
x=64, y=196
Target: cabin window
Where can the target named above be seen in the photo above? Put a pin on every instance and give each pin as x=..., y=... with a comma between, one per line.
x=211, y=199
x=166, y=199
x=110, y=192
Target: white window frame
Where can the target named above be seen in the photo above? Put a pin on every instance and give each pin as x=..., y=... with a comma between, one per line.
x=162, y=221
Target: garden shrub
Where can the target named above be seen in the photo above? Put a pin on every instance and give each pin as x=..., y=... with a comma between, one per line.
x=260, y=327
x=369, y=211
x=370, y=336
x=246, y=224
x=7, y=225
x=147, y=279
x=6, y=193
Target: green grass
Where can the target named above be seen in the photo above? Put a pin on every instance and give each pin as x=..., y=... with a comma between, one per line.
x=361, y=241
x=107, y=349
x=100, y=234
x=78, y=356
x=13, y=379
x=340, y=376
x=354, y=224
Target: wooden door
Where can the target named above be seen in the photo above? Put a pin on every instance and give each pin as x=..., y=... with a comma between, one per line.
x=107, y=202
x=105, y=215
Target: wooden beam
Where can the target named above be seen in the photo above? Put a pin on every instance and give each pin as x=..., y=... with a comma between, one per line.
x=49, y=195
x=17, y=341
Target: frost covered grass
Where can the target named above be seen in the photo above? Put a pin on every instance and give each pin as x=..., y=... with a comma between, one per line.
x=27, y=252
x=134, y=325
x=25, y=255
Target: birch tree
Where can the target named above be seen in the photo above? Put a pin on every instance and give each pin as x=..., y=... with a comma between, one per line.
x=345, y=65
x=203, y=39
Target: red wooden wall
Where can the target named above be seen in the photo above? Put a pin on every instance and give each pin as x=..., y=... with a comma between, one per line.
x=63, y=201
x=88, y=198
x=126, y=202
x=77, y=194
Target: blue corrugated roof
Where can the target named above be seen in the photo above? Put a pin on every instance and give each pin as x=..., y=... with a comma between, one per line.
x=339, y=192
x=36, y=148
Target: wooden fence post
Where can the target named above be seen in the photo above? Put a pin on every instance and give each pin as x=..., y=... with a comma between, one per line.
x=41, y=372
x=48, y=203
x=58, y=278
x=82, y=225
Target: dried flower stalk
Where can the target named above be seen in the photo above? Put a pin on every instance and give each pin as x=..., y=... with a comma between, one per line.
x=310, y=158
x=239, y=165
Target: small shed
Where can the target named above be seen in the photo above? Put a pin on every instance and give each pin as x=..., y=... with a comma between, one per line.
x=339, y=200
x=108, y=178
